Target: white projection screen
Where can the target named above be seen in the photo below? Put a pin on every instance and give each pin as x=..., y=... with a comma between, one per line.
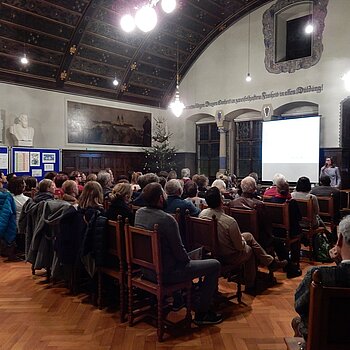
x=291, y=147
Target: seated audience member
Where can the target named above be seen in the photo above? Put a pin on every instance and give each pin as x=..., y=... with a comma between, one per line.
x=46, y=191
x=236, y=248
x=105, y=180
x=325, y=190
x=10, y=176
x=50, y=175
x=134, y=181
x=16, y=186
x=177, y=266
x=162, y=181
x=59, y=179
x=70, y=192
x=163, y=173
x=143, y=181
x=31, y=186
x=91, y=177
x=8, y=229
x=302, y=191
x=202, y=183
x=172, y=175
x=3, y=179
x=110, y=172
x=220, y=184
x=255, y=176
x=281, y=197
x=272, y=191
x=247, y=200
x=120, y=198
x=91, y=199
x=185, y=175
x=122, y=179
x=191, y=194
x=174, y=191
x=76, y=176
x=331, y=276
x=82, y=179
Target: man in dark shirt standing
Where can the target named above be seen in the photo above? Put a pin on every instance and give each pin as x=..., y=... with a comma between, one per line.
x=177, y=266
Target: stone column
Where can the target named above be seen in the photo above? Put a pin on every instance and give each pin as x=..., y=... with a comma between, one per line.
x=222, y=152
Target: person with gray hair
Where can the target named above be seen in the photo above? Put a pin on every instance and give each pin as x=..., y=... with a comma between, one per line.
x=279, y=180
x=174, y=191
x=331, y=276
x=248, y=201
x=186, y=175
x=105, y=180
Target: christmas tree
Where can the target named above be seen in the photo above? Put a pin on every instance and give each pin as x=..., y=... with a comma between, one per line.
x=161, y=156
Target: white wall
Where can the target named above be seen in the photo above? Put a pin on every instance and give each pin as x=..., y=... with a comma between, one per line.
x=219, y=73
x=47, y=115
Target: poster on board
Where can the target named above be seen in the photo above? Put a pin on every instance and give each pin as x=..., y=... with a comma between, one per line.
x=21, y=162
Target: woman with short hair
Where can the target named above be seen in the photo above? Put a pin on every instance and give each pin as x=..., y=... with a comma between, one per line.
x=16, y=186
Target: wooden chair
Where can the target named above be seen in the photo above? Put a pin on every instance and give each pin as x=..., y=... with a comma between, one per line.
x=247, y=220
x=326, y=205
x=144, y=250
x=279, y=214
x=204, y=233
x=106, y=204
x=114, y=263
x=306, y=211
x=328, y=324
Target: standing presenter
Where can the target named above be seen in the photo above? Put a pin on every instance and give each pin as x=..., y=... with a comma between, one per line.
x=332, y=171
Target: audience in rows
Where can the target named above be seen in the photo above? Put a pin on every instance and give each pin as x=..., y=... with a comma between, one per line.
x=155, y=197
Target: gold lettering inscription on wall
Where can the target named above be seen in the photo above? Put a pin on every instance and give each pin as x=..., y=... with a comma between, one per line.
x=262, y=96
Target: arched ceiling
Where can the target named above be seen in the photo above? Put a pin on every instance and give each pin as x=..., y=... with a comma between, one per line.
x=77, y=46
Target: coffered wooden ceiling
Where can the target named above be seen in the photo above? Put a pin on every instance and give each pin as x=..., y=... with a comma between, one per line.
x=77, y=46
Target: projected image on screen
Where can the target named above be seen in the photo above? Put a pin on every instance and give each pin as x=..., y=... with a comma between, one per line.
x=291, y=147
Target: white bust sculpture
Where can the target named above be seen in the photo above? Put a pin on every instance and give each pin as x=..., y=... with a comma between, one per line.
x=22, y=134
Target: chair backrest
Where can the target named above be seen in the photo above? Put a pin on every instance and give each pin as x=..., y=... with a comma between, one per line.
x=106, y=203
x=329, y=314
x=177, y=215
x=326, y=205
x=279, y=215
x=306, y=210
x=143, y=248
x=247, y=220
x=203, y=233
x=115, y=241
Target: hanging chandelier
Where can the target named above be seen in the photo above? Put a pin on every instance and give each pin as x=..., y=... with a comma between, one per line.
x=146, y=17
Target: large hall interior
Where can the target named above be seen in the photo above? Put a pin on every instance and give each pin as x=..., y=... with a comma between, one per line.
x=142, y=140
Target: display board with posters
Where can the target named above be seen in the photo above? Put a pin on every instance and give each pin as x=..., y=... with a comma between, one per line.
x=35, y=162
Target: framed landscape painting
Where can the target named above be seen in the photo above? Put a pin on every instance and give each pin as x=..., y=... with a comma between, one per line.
x=94, y=124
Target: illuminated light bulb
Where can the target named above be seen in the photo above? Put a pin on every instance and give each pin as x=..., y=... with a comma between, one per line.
x=146, y=18
x=248, y=78
x=309, y=29
x=177, y=106
x=115, y=82
x=168, y=6
x=24, y=59
x=127, y=23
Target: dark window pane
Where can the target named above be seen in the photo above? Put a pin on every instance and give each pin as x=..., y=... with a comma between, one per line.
x=214, y=167
x=243, y=150
x=214, y=134
x=203, y=151
x=243, y=168
x=214, y=152
x=243, y=130
x=298, y=43
x=256, y=150
x=203, y=132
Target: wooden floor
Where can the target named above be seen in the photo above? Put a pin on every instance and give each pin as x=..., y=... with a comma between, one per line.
x=35, y=317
